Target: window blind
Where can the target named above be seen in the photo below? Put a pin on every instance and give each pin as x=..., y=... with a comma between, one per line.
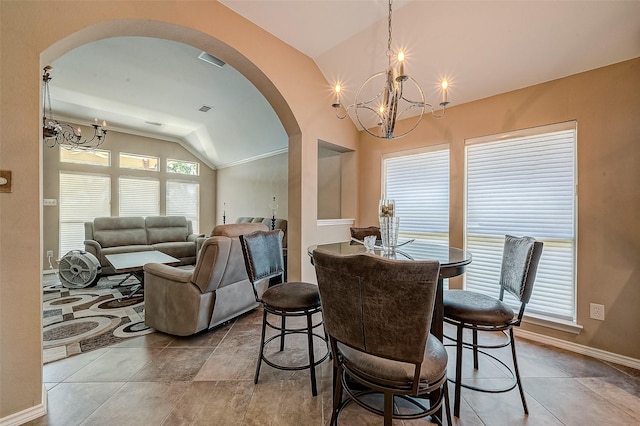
x=524, y=186
x=183, y=199
x=139, y=197
x=419, y=185
x=83, y=197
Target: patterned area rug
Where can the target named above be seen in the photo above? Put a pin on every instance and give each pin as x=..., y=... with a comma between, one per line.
x=81, y=320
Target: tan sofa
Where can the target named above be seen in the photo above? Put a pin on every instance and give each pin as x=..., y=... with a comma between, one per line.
x=183, y=303
x=172, y=235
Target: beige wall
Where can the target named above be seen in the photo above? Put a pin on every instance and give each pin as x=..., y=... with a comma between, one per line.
x=117, y=142
x=604, y=102
x=329, y=184
x=30, y=41
x=248, y=189
x=606, y=105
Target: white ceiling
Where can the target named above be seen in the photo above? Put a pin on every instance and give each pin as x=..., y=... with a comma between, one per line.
x=483, y=47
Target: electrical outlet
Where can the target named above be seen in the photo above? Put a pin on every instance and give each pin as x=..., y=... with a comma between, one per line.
x=49, y=253
x=596, y=311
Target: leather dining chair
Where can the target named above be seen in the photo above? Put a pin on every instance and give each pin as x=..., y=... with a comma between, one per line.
x=360, y=233
x=378, y=313
x=479, y=312
x=263, y=257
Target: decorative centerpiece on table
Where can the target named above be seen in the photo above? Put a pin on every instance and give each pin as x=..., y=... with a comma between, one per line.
x=386, y=208
x=389, y=224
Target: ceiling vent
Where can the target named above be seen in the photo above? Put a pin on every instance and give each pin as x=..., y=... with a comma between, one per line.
x=204, y=108
x=204, y=56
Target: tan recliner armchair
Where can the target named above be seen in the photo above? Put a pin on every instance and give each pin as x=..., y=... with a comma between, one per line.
x=183, y=302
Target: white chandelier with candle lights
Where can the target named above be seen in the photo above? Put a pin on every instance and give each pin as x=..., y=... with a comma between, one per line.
x=62, y=133
x=389, y=96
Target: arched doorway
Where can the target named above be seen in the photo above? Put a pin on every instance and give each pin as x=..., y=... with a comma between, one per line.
x=35, y=33
x=118, y=52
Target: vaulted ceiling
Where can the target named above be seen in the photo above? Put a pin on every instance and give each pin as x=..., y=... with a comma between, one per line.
x=156, y=87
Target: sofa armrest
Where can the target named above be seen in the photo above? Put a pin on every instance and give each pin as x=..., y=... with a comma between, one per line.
x=93, y=247
x=194, y=237
x=199, y=242
x=167, y=272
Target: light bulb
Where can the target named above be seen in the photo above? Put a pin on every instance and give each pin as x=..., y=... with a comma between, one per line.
x=444, y=85
x=401, y=76
x=337, y=89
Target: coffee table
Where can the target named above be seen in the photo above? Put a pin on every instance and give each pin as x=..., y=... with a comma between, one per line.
x=134, y=262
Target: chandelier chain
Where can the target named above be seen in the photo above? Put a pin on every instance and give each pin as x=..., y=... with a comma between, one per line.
x=389, y=50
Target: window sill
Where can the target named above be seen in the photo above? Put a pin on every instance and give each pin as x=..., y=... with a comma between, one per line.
x=554, y=323
x=334, y=222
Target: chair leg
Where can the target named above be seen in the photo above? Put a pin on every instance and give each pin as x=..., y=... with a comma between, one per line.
x=314, y=388
x=337, y=394
x=264, y=327
x=516, y=370
x=475, y=349
x=458, y=383
x=326, y=339
x=283, y=326
x=447, y=405
x=388, y=409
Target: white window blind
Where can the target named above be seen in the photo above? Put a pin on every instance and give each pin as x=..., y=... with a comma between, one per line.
x=183, y=199
x=419, y=185
x=139, y=197
x=83, y=197
x=524, y=185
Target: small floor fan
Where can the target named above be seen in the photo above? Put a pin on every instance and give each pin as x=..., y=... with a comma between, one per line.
x=78, y=269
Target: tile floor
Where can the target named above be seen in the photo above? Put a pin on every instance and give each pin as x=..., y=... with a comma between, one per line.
x=207, y=379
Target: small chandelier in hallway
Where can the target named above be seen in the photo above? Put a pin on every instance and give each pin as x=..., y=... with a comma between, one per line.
x=56, y=132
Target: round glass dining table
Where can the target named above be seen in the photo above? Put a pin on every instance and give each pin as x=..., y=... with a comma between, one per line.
x=453, y=262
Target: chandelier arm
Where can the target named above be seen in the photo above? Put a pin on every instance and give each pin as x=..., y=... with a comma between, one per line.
x=379, y=94
x=346, y=112
x=374, y=110
x=436, y=115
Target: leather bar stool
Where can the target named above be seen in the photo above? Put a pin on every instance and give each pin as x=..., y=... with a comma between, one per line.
x=263, y=257
x=479, y=312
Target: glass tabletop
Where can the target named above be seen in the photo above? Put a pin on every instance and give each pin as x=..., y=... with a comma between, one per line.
x=415, y=250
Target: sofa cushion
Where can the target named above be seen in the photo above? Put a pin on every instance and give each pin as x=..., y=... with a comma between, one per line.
x=244, y=219
x=232, y=230
x=119, y=231
x=162, y=229
x=177, y=249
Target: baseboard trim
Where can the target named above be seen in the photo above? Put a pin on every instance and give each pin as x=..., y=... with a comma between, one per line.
x=27, y=415
x=581, y=349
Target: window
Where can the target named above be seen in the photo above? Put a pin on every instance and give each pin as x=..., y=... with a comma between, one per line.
x=94, y=157
x=524, y=184
x=182, y=167
x=139, y=197
x=139, y=162
x=183, y=199
x=419, y=185
x=83, y=197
